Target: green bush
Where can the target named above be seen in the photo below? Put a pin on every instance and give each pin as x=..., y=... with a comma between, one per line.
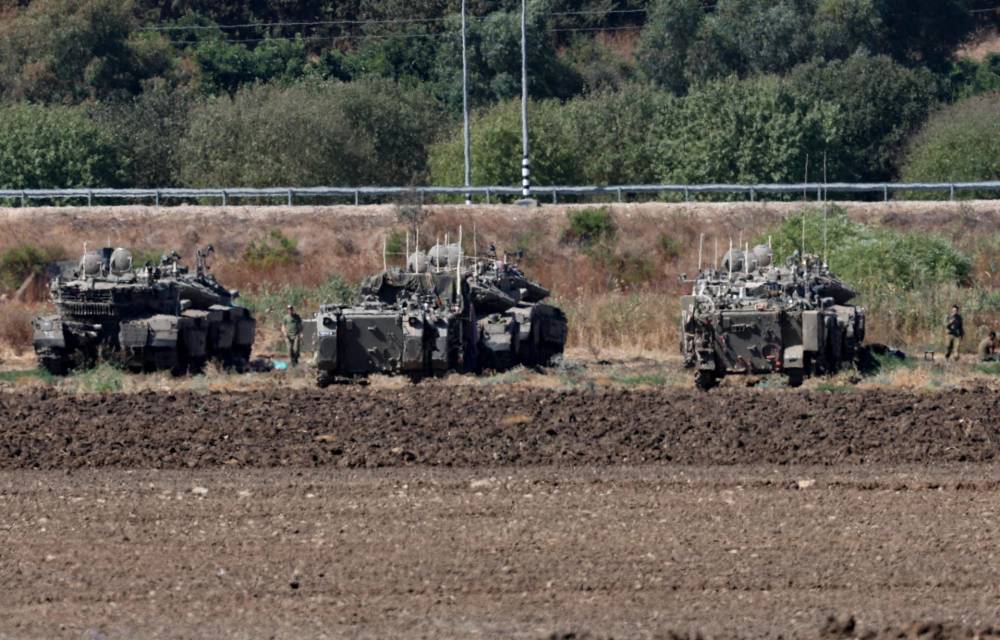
x=19, y=262
x=274, y=300
x=496, y=148
x=68, y=51
x=960, y=143
x=146, y=131
x=273, y=250
x=748, y=131
x=668, y=247
x=104, y=378
x=590, y=226
x=311, y=133
x=875, y=261
x=880, y=104
x=55, y=147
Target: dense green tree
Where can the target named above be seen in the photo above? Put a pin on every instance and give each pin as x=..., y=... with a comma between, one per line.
x=968, y=77
x=747, y=131
x=924, y=31
x=960, y=143
x=55, y=147
x=226, y=66
x=368, y=132
x=147, y=130
x=494, y=51
x=613, y=131
x=70, y=50
x=880, y=104
x=844, y=27
x=496, y=148
x=665, y=42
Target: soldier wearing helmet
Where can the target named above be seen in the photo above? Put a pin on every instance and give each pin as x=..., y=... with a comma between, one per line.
x=955, y=332
x=291, y=328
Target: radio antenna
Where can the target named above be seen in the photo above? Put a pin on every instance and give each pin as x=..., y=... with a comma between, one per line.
x=730, y=260
x=803, y=237
x=826, y=253
x=701, y=244
x=716, y=263
x=805, y=183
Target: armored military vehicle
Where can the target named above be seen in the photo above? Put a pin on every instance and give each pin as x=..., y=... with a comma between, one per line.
x=753, y=317
x=142, y=318
x=442, y=312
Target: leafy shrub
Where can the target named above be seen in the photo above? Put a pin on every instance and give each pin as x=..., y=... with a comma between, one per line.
x=669, y=247
x=496, y=148
x=55, y=147
x=395, y=243
x=273, y=250
x=589, y=226
x=873, y=260
x=881, y=103
x=748, y=131
x=19, y=262
x=146, y=131
x=959, y=143
x=71, y=50
x=104, y=378
x=311, y=133
x=274, y=300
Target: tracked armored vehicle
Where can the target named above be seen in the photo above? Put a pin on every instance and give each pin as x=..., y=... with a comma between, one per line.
x=753, y=317
x=154, y=317
x=442, y=312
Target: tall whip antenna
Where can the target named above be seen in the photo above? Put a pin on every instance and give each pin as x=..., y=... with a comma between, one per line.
x=716, y=263
x=826, y=253
x=701, y=244
x=730, y=260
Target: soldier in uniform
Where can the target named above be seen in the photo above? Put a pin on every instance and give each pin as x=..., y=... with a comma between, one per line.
x=291, y=328
x=987, y=351
x=956, y=331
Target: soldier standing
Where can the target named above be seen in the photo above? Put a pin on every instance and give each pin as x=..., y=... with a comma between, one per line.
x=291, y=328
x=987, y=351
x=955, y=330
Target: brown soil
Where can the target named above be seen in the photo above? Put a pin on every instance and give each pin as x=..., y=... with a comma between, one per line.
x=434, y=424
x=506, y=512
x=597, y=552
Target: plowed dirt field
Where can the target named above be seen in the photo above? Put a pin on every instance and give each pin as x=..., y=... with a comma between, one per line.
x=499, y=512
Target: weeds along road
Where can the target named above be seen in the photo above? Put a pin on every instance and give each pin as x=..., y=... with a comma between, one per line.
x=497, y=512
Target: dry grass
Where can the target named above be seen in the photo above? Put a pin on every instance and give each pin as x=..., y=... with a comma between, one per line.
x=620, y=298
x=15, y=327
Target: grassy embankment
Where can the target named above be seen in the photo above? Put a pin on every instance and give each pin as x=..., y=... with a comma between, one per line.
x=615, y=271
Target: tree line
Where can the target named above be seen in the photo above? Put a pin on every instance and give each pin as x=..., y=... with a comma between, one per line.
x=368, y=92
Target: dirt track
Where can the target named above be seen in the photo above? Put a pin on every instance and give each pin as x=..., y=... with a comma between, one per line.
x=522, y=514
x=439, y=425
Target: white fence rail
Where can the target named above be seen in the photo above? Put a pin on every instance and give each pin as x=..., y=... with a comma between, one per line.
x=357, y=195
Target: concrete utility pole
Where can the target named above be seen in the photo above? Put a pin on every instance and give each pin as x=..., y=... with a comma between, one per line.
x=525, y=166
x=465, y=112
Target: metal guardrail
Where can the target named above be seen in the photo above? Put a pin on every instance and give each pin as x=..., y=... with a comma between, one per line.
x=290, y=194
